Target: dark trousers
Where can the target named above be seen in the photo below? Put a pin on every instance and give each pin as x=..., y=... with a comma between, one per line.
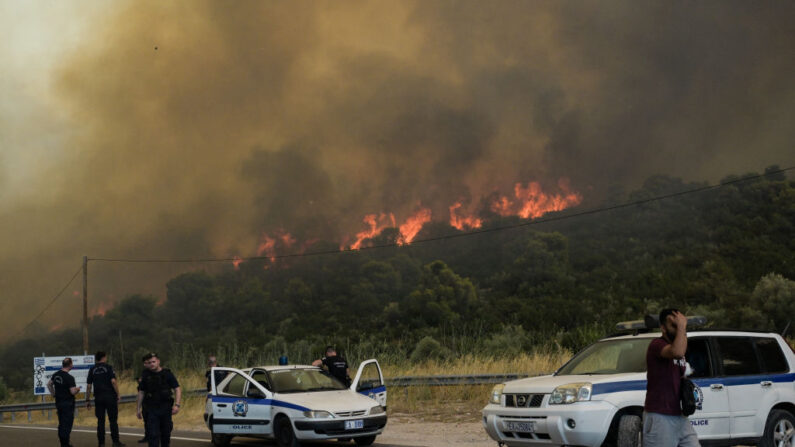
x=145, y=416
x=66, y=417
x=107, y=404
x=159, y=425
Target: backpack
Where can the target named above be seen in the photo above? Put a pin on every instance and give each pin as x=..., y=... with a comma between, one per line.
x=688, y=396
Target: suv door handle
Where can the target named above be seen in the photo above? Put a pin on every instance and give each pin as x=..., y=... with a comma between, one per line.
x=716, y=386
x=766, y=383
x=222, y=405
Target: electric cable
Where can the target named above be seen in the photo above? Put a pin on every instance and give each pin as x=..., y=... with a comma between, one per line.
x=58, y=295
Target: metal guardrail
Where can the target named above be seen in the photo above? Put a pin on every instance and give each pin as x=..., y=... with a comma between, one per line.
x=407, y=381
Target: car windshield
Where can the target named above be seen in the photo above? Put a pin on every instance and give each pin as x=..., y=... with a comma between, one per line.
x=303, y=380
x=627, y=355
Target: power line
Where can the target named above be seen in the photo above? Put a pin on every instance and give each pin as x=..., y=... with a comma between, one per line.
x=458, y=235
x=58, y=295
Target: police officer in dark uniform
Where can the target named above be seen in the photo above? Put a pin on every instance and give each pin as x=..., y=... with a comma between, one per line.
x=62, y=386
x=155, y=394
x=336, y=365
x=219, y=375
x=106, y=392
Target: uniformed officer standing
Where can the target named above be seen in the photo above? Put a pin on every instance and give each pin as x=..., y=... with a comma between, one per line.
x=336, y=365
x=155, y=394
x=62, y=385
x=106, y=392
x=219, y=375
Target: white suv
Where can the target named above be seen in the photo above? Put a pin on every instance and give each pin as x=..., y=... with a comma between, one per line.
x=746, y=381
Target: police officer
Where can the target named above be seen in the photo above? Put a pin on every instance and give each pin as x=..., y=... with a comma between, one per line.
x=219, y=375
x=155, y=394
x=62, y=386
x=106, y=391
x=336, y=365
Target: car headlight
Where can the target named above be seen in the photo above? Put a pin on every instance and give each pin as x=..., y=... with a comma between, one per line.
x=570, y=393
x=378, y=409
x=318, y=414
x=496, y=394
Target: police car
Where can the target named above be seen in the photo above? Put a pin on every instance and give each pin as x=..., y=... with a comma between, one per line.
x=745, y=385
x=296, y=403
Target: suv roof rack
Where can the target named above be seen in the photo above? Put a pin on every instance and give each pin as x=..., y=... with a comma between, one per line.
x=652, y=322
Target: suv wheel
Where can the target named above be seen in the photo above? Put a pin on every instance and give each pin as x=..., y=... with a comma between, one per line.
x=779, y=430
x=629, y=429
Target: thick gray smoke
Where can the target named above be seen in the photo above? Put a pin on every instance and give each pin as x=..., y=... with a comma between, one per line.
x=195, y=127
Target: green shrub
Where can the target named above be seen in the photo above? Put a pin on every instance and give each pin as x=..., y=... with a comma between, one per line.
x=429, y=349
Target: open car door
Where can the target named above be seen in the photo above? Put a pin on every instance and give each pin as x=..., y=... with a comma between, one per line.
x=370, y=381
x=239, y=404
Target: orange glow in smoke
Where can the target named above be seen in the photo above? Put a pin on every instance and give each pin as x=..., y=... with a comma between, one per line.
x=463, y=222
x=101, y=310
x=236, y=262
x=413, y=225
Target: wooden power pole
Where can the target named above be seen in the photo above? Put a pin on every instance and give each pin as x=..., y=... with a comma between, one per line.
x=85, y=305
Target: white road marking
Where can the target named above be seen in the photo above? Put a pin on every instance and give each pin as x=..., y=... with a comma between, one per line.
x=79, y=430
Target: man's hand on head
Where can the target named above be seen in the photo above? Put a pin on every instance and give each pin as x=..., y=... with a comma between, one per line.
x=681, y=321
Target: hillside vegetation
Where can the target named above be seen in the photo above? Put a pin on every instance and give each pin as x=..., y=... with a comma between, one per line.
x=727, y=253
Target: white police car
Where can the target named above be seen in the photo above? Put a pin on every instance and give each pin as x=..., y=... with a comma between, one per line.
x=745, y=380
x=295, y=403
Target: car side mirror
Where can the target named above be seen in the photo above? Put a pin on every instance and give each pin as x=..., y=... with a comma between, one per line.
x=255, y=393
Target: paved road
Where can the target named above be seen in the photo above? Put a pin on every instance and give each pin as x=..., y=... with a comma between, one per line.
x=35, y=436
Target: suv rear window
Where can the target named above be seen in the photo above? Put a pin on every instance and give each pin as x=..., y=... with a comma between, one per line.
x=772, y=357
x=738, y=356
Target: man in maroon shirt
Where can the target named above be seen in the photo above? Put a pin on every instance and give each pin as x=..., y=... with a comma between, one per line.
x=663, y=422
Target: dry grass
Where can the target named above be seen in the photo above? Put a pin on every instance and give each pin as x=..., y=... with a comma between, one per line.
x=441, y=403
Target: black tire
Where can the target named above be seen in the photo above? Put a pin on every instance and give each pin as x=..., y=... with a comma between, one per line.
x=284, y=434
x=779, y=430
x=629, y=430
x=365, y=440
x=220, y=440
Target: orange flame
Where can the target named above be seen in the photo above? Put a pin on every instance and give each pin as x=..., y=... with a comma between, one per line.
x=413, y=225
x=463, y=222
x=268, y=243
x=376, y=224
x=56, y=327
x=533, y=202
x=237, y=260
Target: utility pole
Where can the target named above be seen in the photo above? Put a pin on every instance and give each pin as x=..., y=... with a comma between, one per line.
x=85, y=305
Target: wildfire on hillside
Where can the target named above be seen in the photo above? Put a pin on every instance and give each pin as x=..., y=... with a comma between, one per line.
x=529, y=201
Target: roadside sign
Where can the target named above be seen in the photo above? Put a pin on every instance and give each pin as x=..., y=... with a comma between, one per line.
x=45, y=367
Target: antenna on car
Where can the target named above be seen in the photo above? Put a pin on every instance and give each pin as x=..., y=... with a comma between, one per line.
x=786, y=329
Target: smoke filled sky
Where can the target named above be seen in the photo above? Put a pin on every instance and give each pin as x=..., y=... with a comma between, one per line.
x=181, y=129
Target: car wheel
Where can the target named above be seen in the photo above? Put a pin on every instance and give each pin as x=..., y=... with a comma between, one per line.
x=283, y=431
x=779, y=430
x=365, y=440
x=220, y=440
x=629, y=430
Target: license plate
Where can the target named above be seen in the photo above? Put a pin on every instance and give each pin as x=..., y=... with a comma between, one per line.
x=521, y=427
x=353, y=425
